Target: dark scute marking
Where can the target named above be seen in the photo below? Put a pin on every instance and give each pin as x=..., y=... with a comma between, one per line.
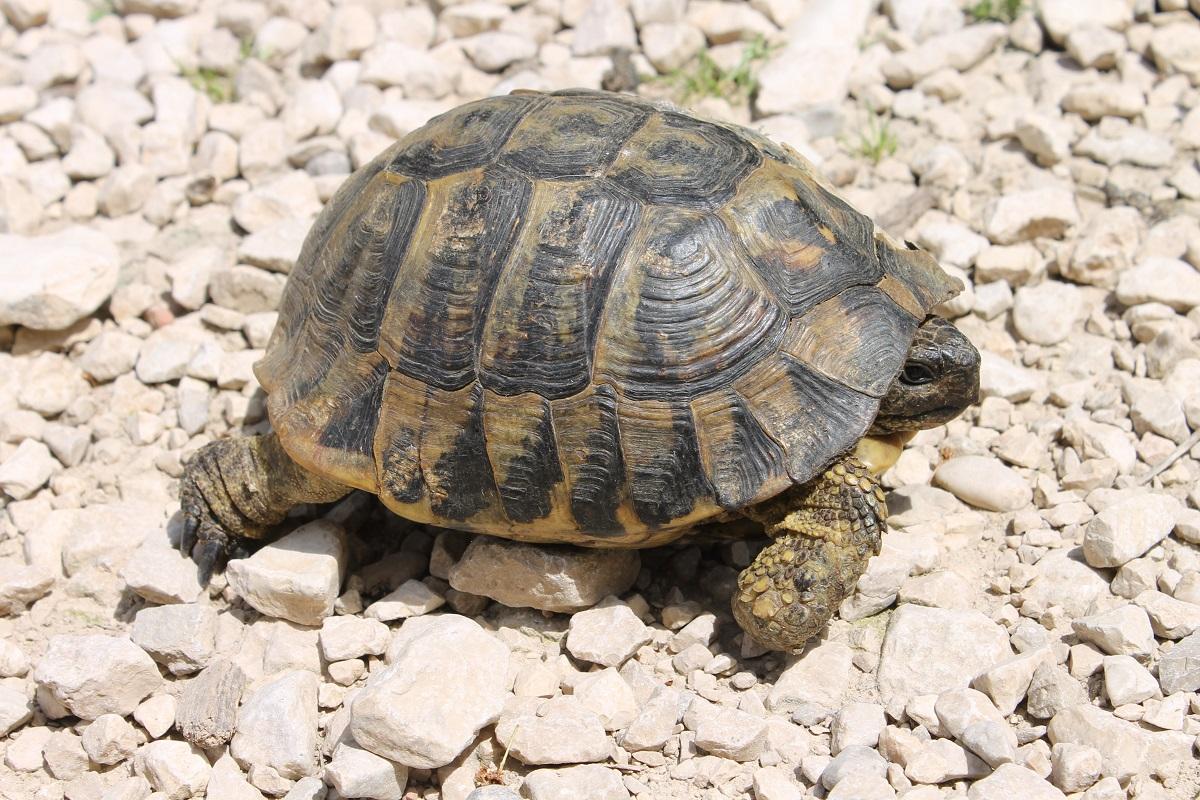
x=919, y=273
x=351, y=426
x=702, y=318
x=532, y=475
x=667, y=479
x=439, y=343
x=859, y=338
x=743, y=456
x=546, y=343
x=572, y=137
x=376, y=273
x=685, y=162
x=793, y=255
x=814, y=417
x=401, y=469
x=596, y=483
x=852, y=228
x=464, y=138
x=465, y=469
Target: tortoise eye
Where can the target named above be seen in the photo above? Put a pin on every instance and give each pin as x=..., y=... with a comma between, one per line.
x=917, y=373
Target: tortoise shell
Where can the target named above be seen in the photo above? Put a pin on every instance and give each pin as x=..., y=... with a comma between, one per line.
x=579, y=317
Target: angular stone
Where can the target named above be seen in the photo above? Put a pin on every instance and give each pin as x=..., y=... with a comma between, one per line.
x=177, y=769
x=1170, y=281
x=180, y=637
x=930, y=650
x=608, y=696
x=277, y=726
x=445, y=681
x=547, y=577
x=557, y=731
x=606, y=635
x=359, y=773
x=109, y=739
x=1126, y=530
x=297, y=577
x=352, y=637
x=1179, y=667
x=1126, y=681
x=1050, y=690
x=1014, y=780
x=1124, y=630
x=92, y=675
x=207, y=711
x=586, y=782
x=1123, y=746
x=731, y=733
x=1169, y=617
x=820, y=676
x=1030, y=214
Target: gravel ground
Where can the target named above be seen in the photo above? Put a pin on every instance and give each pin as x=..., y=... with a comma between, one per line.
x=1031, y=629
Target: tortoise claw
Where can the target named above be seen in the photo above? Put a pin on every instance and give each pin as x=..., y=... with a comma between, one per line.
x=189, y=536
x=210, y=556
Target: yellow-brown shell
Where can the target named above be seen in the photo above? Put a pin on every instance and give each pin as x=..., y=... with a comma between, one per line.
x=579, y=317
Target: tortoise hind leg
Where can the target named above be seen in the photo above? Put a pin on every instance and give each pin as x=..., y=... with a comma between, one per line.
x=825, y=532
x=236, y=489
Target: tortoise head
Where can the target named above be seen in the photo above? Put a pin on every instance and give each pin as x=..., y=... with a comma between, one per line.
x=939, y=379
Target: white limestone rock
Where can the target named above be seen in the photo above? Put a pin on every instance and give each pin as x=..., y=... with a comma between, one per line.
x=931, y=650
x=546, y=577
x=277, y=726
x=445, y=681
x=297, y=577
x=92, y=674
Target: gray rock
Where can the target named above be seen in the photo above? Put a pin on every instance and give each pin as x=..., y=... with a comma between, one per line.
x=823, y=44
x=604, y=25
x=207, y=711
x=1075, y=767
x=1051, y=689
x=158, y=572
x=856, y=724
x=27, y=469
x=1170, y=618
x=410, y=599
x=1179, y=667
x=820, y=676
x=21, y=585
x=1123, y=746
x=546, y=577
x=277, y=726
x=445, y=681
x=92, y=675
x=15, y=709
x=352, y=637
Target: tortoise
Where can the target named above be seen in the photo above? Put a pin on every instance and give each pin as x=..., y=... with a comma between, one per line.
x=584, y=318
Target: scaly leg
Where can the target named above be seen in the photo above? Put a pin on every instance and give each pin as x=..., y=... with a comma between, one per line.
x=236, y=489
x=825, y=531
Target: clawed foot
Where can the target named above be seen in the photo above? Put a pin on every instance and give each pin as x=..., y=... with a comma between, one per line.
x=208, y=513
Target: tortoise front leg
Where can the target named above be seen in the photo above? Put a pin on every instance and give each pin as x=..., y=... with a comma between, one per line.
x=236, y=489
x=825, y=531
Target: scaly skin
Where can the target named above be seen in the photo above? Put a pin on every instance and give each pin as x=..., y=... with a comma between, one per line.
x=236, y=489
x=825, y=531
